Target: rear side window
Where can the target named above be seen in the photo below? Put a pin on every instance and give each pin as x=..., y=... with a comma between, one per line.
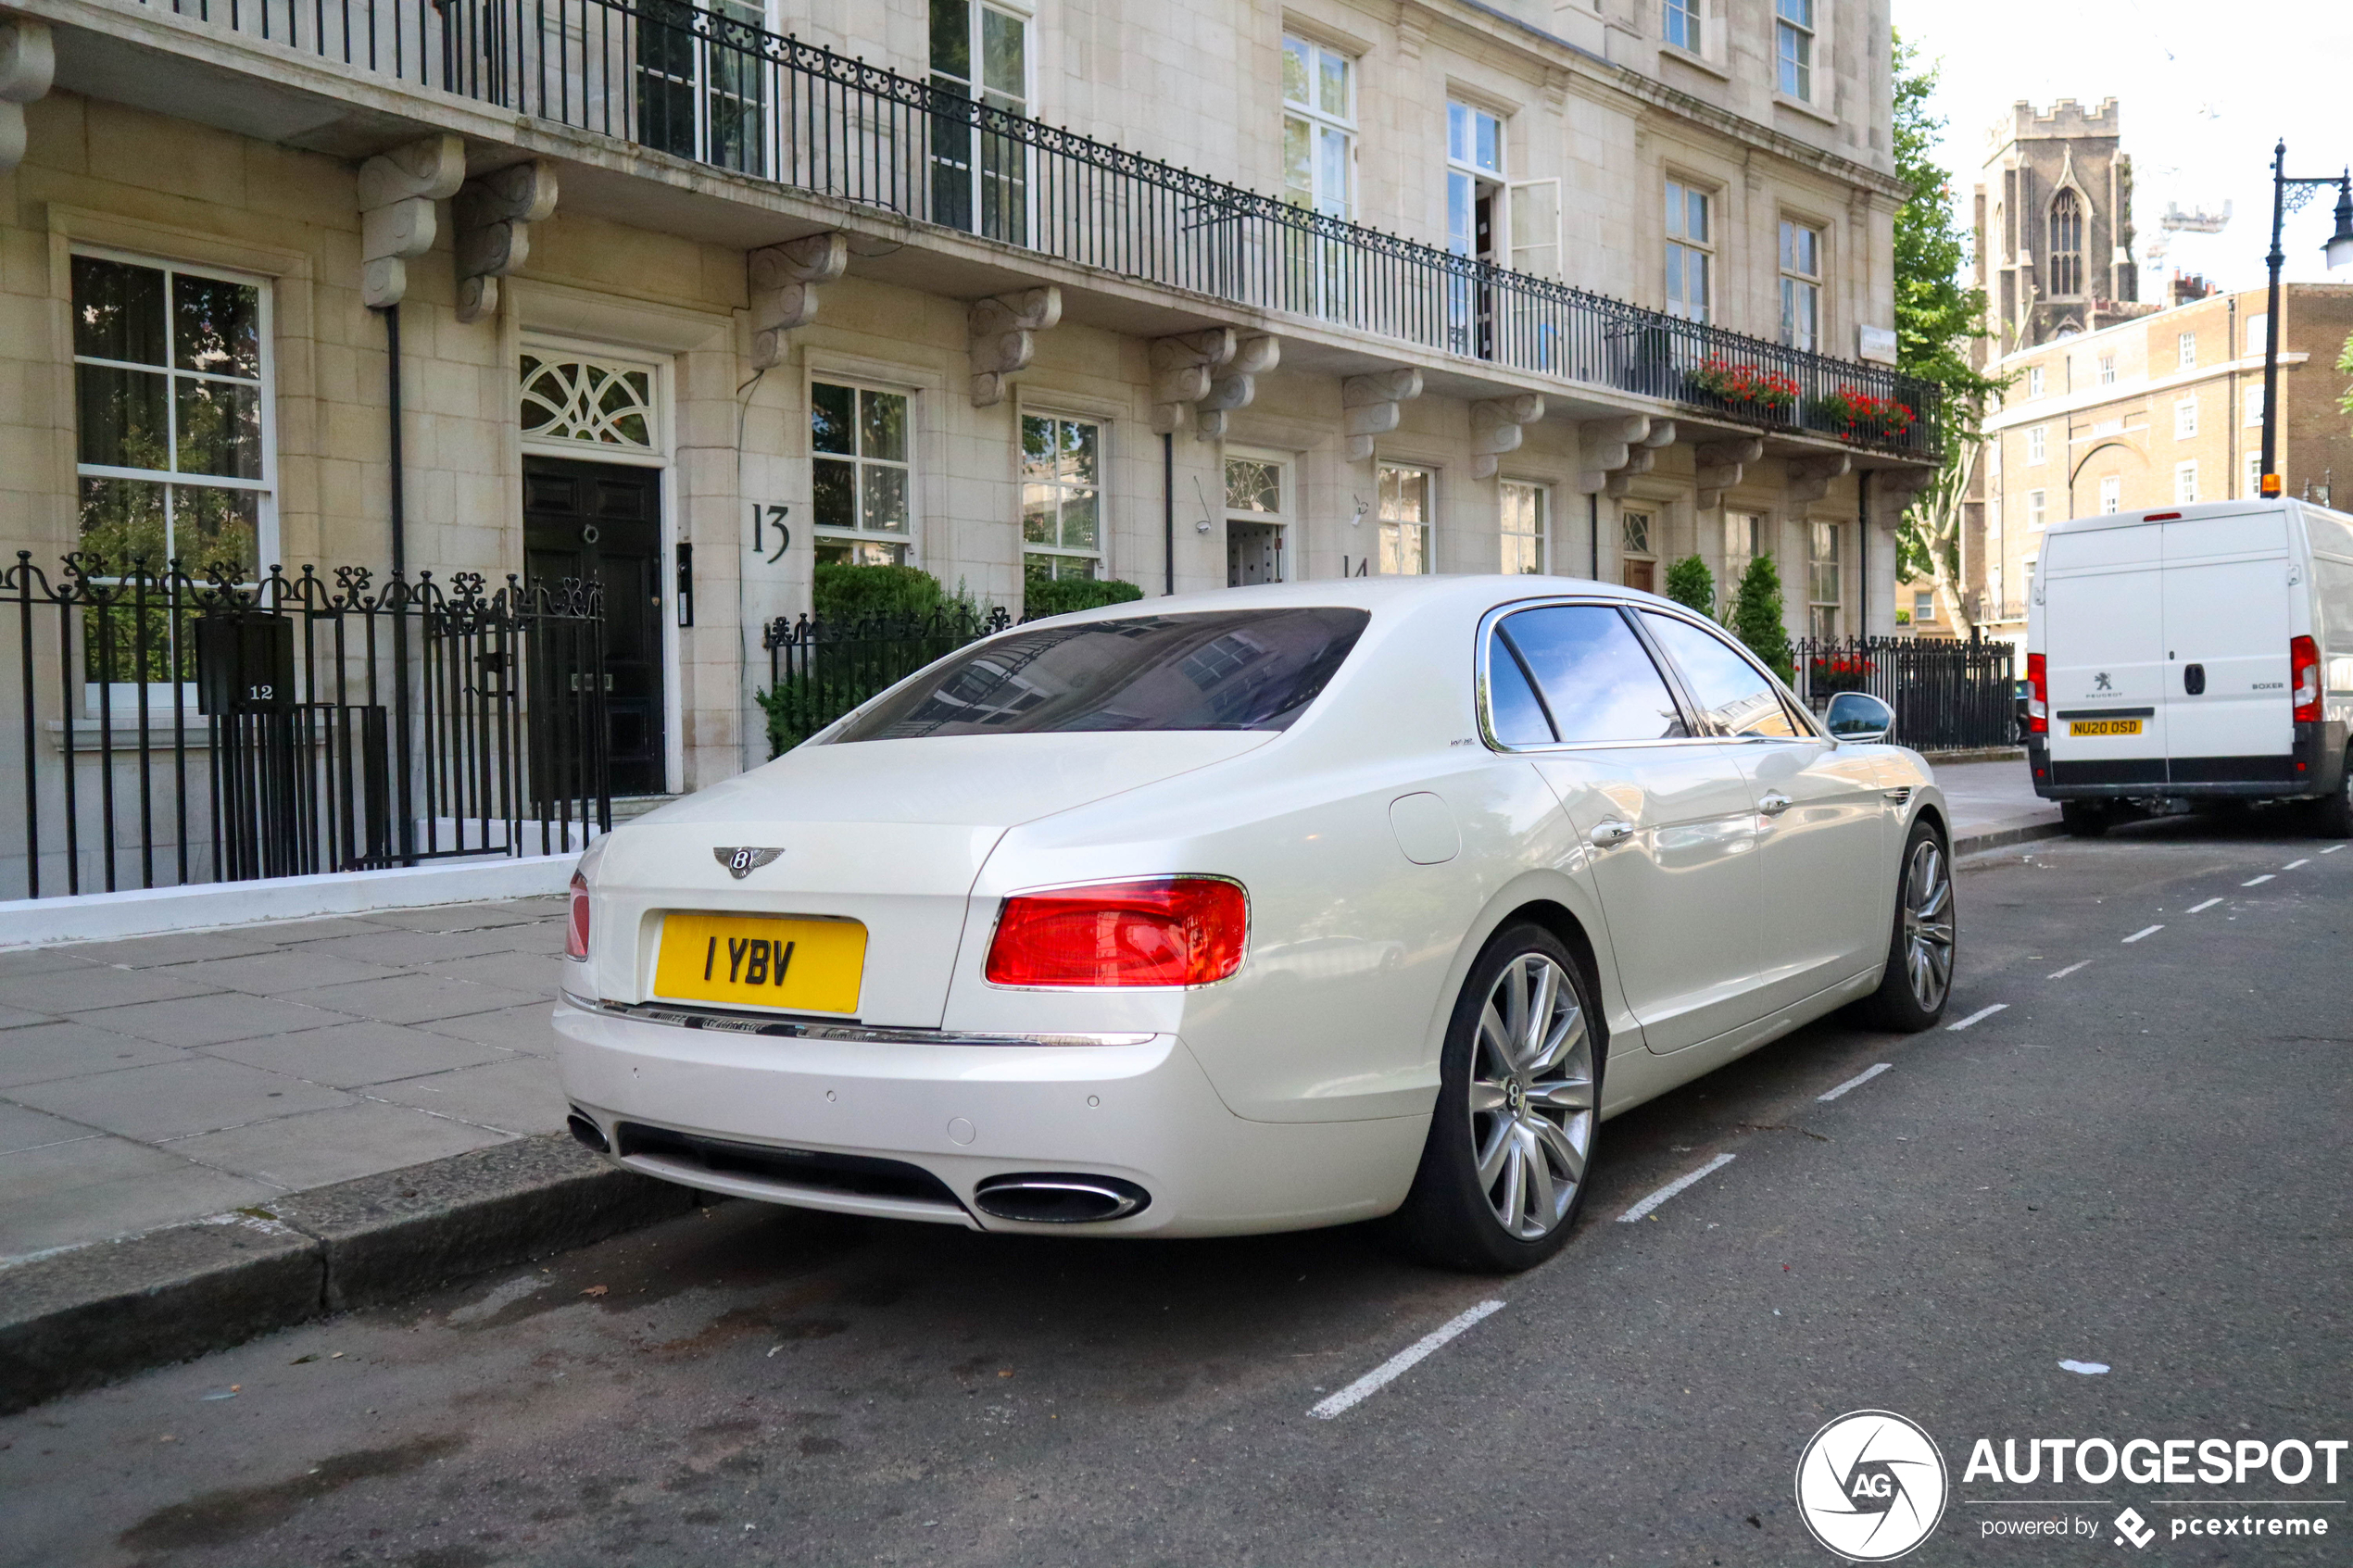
x=1238, y=670
x=1596, y=680
x=1734, y=696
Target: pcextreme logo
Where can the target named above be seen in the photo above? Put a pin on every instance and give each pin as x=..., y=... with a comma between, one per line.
x=1870, y=1485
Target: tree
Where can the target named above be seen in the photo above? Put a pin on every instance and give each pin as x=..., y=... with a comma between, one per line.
x=1937, y=322
x=1691, y=585
x=1756, y=617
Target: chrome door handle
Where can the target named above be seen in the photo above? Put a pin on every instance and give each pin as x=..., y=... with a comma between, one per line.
x=1901, y=797
x=1610, y=835
x=1773, y=805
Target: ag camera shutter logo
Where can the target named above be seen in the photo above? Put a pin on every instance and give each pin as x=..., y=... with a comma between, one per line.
x=1870, y=1485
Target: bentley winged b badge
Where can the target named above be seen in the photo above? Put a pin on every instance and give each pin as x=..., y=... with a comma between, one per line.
x=743, y=859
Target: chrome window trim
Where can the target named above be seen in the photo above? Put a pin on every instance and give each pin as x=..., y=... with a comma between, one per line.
x=724, y=1021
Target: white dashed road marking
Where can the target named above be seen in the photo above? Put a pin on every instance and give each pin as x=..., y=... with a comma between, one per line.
x=1979, y=1016
x=1671, y=1188
x=1389, y=1371
x=1859, y=1079
x=2257, y=882
x=2070, y=969
x=2293, y=864
x=2333, y=849
x=2144, y=930
x=2208, y=905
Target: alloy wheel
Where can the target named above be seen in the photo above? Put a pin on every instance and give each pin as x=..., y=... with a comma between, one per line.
x=1928, y=924
x=1532, y=1097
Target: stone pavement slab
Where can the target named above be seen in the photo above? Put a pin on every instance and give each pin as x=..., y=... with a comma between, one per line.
x=518, y=1094
x=1991, y=797
x=51, y=1194
x=177, y=1100
x=210, y=1021
x=351, y=1056
x=358, y=1139
x=96, y=985
x=41, y=1052
x=414, y=998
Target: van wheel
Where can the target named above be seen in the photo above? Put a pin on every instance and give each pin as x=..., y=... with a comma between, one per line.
x=2082, y=819
x=1918, y=978
x=1503, y=1174
x=2332, y=815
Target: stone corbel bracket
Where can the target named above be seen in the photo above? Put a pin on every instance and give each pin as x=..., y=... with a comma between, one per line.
x=1809, y=478
x=396, y=193
x=1370, y=406
x=1182, y=369
x=28, y=64
x=1497, y=425
x=1003, y=335
x=1893, y=490
x=1721, y=464
x=1234, y=383
x=495, y=214
x=1615, y=450
x=781, y=282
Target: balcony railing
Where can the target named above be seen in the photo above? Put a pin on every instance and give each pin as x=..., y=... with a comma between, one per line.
x=673, y=77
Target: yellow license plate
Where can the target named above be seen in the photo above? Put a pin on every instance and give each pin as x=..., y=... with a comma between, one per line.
x=801, y=965
x=2103, y=727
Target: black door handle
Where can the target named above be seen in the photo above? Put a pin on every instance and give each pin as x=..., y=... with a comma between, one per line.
x=2193, y=679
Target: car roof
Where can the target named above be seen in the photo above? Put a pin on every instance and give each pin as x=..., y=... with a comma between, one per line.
x=1384, y=596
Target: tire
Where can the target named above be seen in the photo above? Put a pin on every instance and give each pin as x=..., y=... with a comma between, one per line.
x=2081, y=818
x=2333, y=814
x=1921, y=943
x=1519, y=1084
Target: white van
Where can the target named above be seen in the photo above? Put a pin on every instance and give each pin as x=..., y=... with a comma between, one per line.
x=2200, y=652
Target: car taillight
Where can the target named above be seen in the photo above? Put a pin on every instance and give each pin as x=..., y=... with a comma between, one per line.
x=576, y=928
x=1164, y=931
x=2038, y=697
x=2304, y=679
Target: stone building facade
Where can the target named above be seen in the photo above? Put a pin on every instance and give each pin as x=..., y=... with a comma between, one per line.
x=773, y=304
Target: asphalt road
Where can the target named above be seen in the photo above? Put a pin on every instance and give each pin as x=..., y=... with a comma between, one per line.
x=2140, y=1165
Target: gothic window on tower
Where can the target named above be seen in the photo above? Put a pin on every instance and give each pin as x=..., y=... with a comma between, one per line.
x=2067, y=244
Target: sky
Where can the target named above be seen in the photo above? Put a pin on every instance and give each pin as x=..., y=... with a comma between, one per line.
x=2204, y=92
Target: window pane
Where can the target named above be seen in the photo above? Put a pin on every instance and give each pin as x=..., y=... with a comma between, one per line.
x=1511, y=709
x=1674, y=209
x=1733, y=694
x=220, y=428
x=1241, y=669
x=1295, y=71
x=1253, y=486
x=1490, y=143
x=122, y=523
x=1331, y=79
x=1079, y=439
x=1595, y=675
x=1634, y=533
x=951, y=47
x=1695, y=218
x=830, y=418
x=1079, y=522
x=117, y=310
x=1458, y=133
x=884, y=497
x=882, y=426
x=1331, y=173
x=1298, y=175
x=1001, y=43
x=1405, y=494
x=217, y=526
x=120, y=417
x=1038, y=514
x=834, y=494
x=216, y=326
x=1037, y=447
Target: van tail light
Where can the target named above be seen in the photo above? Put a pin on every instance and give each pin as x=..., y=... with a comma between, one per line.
x=2304, y=679
x=2038, y=695
x=1160, y=931
x=576, y=928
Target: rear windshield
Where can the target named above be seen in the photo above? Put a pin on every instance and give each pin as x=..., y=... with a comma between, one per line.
x=1236, y=669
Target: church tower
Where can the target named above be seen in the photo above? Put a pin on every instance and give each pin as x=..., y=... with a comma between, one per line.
x=2054, y=225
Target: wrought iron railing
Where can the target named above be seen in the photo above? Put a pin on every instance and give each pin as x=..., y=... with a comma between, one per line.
x=819, y=670
x=1947, y=694
x=175, y=728
x=677, y=78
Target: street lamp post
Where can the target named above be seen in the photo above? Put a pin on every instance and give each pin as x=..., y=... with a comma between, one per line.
x=2289, y=196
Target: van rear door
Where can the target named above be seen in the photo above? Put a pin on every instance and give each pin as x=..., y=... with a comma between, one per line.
x=2226, y=635
x=2104, y=653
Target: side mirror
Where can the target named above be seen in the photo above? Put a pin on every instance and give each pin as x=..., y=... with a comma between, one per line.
x=1858, y=716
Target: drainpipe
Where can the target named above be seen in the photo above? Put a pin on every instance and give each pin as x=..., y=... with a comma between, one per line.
x=1168, y=506
x=1863, y=553
x=1594, y=523
x=406, y=833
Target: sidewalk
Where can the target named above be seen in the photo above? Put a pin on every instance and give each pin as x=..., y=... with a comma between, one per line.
x=162, y=1079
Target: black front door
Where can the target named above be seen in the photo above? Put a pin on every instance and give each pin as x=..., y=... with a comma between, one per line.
x=602, y=521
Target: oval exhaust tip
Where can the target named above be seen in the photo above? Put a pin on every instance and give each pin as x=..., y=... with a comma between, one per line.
x=1060, y=1199
x=589, y=1133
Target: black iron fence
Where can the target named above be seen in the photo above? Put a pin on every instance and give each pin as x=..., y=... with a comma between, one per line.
x=180, y=728
x=1947, y=696
x=677, y=78
x=819, y=670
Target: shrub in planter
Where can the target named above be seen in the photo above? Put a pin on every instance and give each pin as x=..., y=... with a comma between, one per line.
x=1750, y=387
x=1756, y=617
x=843, y=593
x=1691, y=585
x=1853, y=412
x=1840, y=672
x=1042, y=596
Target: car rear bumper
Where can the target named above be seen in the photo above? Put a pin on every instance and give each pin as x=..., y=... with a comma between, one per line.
x=902, y=1127
x=2315, y=766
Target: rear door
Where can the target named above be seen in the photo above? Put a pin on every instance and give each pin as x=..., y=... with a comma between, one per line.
x=2227, y=711
x=2103, y=651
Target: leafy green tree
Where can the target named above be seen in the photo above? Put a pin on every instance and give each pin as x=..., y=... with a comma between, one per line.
x=1690, y=584
x=1756, y=617
x=1938, y=322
